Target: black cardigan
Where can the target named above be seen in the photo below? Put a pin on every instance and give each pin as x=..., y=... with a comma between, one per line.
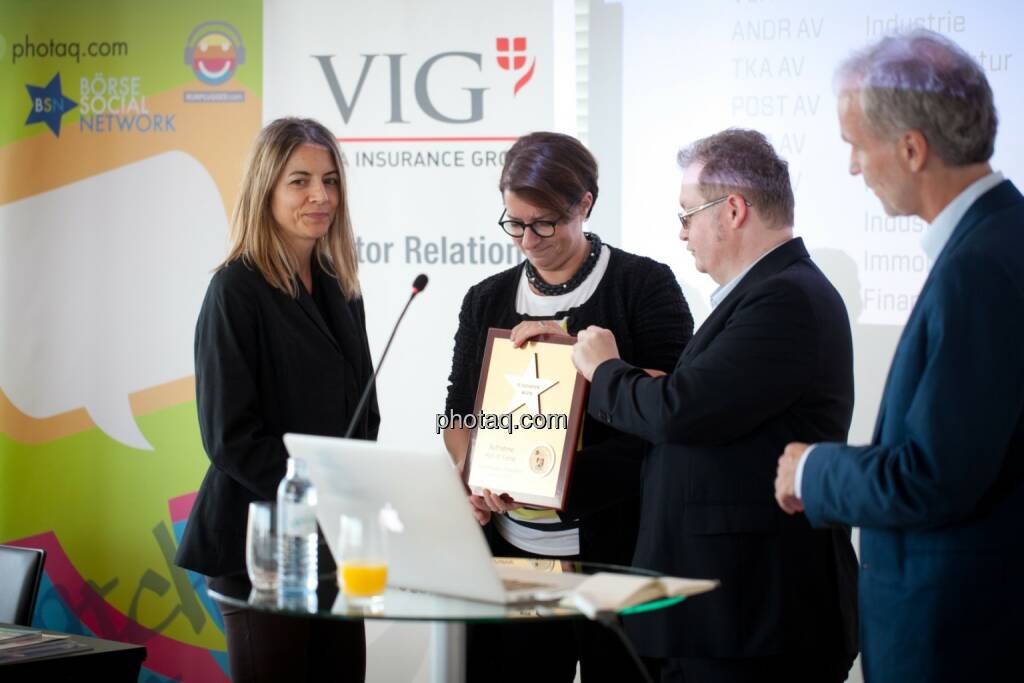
x=639, y=300
x=266, y=364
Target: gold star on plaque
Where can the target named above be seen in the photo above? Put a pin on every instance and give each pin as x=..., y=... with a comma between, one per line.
x=528, y=388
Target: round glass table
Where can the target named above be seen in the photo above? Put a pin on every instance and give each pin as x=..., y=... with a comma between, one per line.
x=448, y=614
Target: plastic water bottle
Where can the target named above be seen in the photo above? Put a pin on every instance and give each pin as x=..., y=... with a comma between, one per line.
x=296, y=525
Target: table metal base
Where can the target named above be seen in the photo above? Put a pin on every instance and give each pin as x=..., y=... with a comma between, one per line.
x=448, y=652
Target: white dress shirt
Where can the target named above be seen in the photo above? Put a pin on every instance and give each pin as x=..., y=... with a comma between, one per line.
x=718, y=296
x=933, y=240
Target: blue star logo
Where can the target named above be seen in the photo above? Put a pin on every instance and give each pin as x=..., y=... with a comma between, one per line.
x=48, y=104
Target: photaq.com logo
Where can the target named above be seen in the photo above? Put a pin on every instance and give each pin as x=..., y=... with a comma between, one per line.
x=512, y=57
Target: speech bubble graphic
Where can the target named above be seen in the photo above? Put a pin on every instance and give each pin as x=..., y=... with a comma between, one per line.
x=100, y=285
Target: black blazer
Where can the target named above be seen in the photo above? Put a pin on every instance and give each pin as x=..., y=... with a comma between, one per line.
x=266, y=364
x=773, y=363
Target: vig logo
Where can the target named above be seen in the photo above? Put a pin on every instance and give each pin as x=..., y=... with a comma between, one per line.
x=214, y=50
x=48, y=105
x=515, y=59
x=511, y=57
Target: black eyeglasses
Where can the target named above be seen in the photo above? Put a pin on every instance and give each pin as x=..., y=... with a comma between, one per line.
x=685, y=214
x=541, y=229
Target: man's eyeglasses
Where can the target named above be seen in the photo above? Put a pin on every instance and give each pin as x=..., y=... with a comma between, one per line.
x=518, y=228
x=686, y=213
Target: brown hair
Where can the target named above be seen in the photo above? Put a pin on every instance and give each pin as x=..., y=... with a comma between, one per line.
x=255, y=235
x=743, y=161
x=550, y=170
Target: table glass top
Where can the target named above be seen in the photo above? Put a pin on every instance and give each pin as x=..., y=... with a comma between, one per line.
x=399, y=604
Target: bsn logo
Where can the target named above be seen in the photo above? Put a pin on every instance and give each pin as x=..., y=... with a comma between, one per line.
x=471, y=114
x=49, y=104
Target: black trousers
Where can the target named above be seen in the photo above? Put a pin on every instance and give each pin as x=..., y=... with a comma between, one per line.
x=545, y=651
x=275, y=647
x=805, y=667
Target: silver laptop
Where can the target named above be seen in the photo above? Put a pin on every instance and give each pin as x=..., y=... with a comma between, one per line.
x=434, y=544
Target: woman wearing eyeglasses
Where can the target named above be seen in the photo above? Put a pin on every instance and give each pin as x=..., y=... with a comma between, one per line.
x=569, y=280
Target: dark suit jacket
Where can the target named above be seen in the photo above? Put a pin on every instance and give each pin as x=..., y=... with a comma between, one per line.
x=772, y=364
x=266, y=364
x=940, y=490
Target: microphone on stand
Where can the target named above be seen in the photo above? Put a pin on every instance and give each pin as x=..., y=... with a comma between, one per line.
x=418, y=285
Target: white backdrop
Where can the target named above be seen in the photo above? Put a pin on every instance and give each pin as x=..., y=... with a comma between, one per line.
x=438, y=191
x=416, y=181
x=693, y=68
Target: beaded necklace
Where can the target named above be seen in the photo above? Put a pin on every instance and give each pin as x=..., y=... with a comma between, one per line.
x=577, y=278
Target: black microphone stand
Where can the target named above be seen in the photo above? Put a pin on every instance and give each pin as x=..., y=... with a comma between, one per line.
x=418, y=285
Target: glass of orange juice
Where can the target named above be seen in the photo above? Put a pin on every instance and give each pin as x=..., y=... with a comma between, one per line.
x=363, y=565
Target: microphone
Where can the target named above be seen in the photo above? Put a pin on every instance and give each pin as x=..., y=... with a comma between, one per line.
x=418, y=285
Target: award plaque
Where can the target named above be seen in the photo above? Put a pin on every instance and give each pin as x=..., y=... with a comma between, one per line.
x=528, y=412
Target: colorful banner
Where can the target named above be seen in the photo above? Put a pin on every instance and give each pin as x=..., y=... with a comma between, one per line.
x=123, y=129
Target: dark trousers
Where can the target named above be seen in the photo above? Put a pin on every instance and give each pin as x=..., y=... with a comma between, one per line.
x=804, y=667
x=545, y=651
x=275, y=647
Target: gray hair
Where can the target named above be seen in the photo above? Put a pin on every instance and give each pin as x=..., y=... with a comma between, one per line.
x=743, y=161
x=925, y=82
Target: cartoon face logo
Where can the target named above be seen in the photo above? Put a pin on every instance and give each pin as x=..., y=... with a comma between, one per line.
x=512, y=57
x=214, y=50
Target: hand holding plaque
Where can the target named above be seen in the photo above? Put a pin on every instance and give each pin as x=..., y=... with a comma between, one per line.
x=529, y=408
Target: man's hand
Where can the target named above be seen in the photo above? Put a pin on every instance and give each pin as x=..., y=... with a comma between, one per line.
x=785, y=478
x=594, y=346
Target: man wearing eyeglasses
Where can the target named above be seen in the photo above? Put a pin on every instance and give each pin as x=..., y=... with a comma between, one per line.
x=773, y=360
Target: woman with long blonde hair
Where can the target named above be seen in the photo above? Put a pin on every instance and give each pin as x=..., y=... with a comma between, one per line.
x=280, y=347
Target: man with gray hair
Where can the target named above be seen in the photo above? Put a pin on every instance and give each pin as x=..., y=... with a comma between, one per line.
x=772, y=362
x=939, y=492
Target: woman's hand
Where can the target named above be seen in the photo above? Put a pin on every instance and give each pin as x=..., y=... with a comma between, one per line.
x=495, y=502
x=528, y=329
x=480, y=509
x=489, y=503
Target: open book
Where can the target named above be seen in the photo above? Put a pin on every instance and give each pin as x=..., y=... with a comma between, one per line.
x=606, y=592
x=11, y=637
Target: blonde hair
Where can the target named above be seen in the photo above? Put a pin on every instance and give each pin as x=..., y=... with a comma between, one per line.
x=256, y=237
